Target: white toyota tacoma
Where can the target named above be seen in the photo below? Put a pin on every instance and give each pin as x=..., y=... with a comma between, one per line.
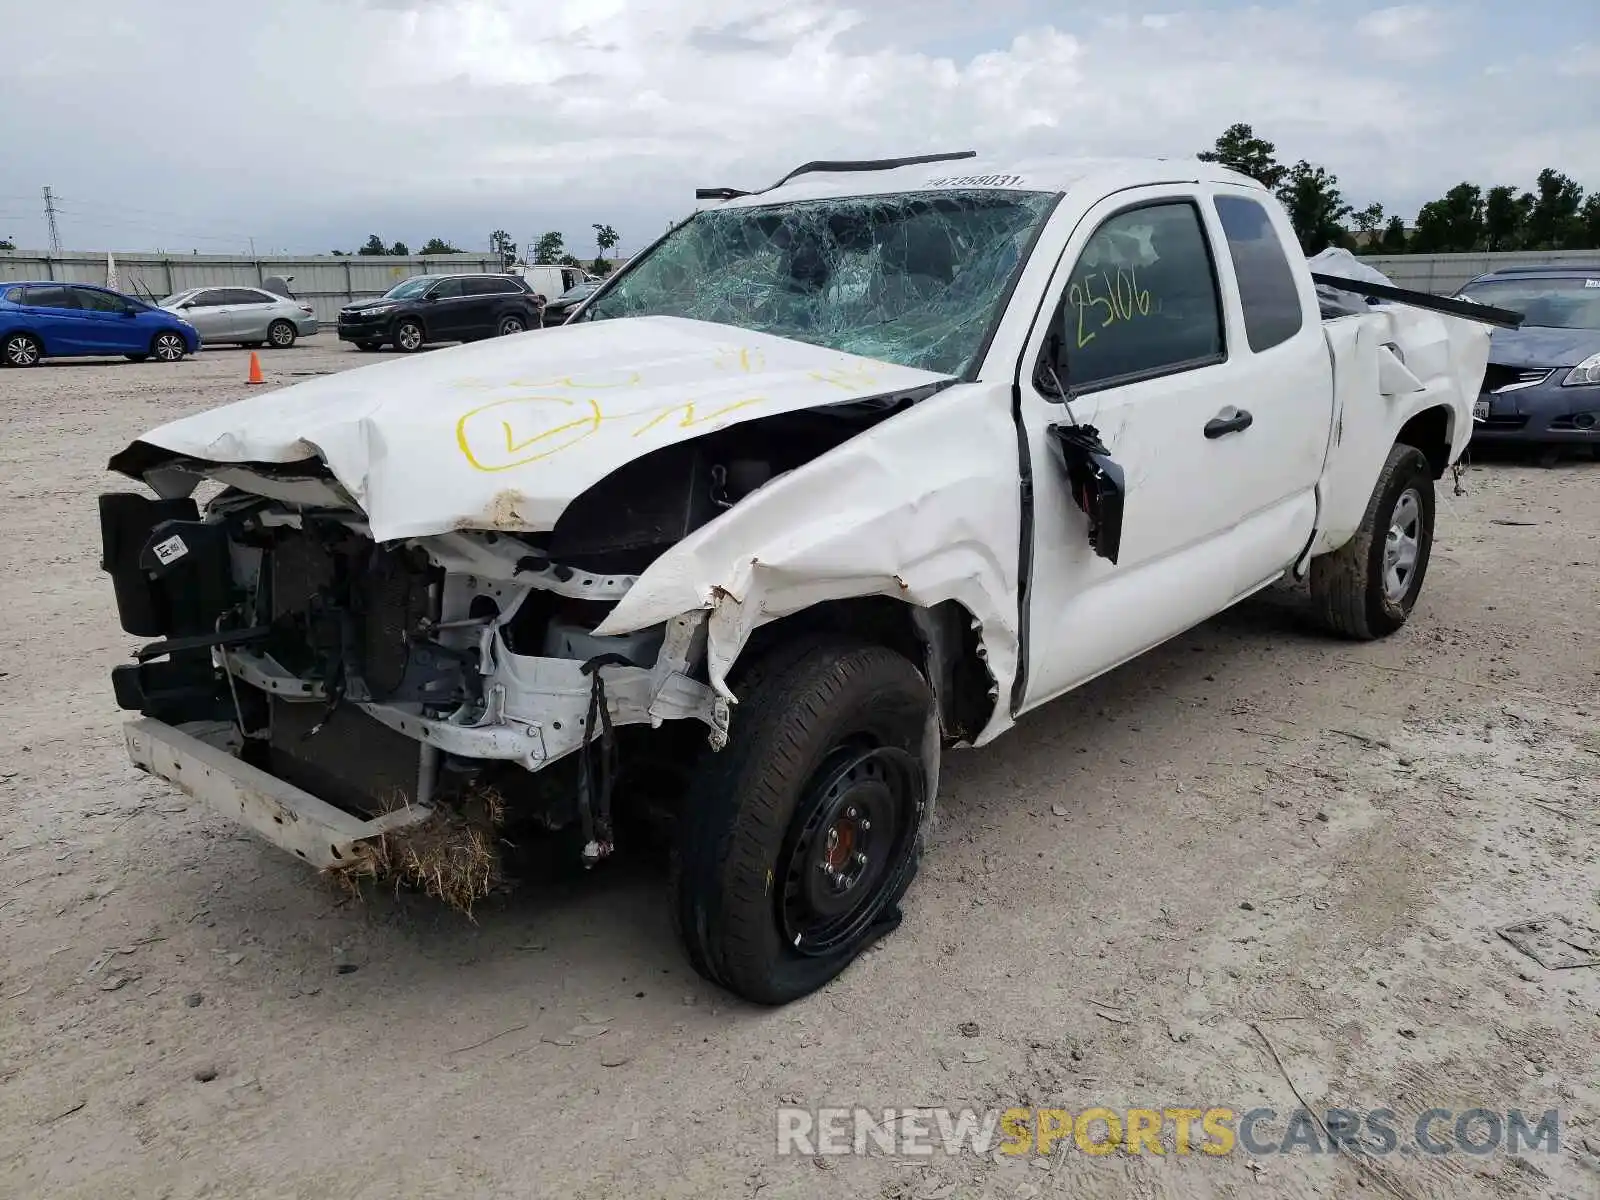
x=835, y=476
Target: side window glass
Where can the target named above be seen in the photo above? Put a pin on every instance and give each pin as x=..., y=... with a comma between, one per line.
x=92, y=301
x=244, y=296
x=1142, y=299
x=212, y=298
x=1272, y=309
x=446, y=289
x=50, y=297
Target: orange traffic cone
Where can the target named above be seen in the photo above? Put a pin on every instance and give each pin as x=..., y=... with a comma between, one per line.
x=255, y=370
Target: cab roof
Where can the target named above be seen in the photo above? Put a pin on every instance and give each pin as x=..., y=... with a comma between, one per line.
x=830, y=180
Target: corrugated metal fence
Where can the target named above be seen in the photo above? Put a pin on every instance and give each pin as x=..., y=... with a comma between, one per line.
x=328, y=282
x=324, y=281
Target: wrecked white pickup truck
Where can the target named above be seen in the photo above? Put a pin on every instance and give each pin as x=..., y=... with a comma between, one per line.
x=833, y=477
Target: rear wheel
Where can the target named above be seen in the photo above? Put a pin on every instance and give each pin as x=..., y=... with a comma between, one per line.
x=1367, y=588
x=509, y=324
x=804, y=832
x=408, y=335
x=21, y=350
x=168, y=347
x=282, y=334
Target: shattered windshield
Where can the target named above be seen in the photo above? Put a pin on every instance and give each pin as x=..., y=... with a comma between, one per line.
x=914, y=278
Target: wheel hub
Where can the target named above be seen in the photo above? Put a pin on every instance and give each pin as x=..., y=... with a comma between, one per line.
x=1402, y=546
x=858, y=827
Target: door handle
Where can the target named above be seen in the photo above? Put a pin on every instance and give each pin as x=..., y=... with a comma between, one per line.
x=1236, y=421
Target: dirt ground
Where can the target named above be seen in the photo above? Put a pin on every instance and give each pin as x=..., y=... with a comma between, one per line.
x=1254, y=861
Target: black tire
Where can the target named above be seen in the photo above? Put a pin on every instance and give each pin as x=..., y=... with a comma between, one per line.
x=21, y=350
x=1355, y=593
x=826, y=734
x=409, y=336
x=369, y=347
x=511, y=323
x=282, y=334
x=168, y=347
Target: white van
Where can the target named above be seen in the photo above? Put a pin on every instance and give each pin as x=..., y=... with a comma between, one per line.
x=550, y=280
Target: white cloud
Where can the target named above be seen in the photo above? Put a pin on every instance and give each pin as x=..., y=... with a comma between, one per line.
x=310, y=122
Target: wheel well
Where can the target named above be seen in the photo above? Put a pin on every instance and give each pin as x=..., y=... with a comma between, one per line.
x=1429, y=432
x=942, y=641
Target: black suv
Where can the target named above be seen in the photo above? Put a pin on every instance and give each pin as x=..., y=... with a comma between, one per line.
x=441, y=308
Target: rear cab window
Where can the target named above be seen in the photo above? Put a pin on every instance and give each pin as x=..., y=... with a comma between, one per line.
x=1273, y=311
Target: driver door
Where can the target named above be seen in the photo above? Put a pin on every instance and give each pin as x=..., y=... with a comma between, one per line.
x=1138, y=337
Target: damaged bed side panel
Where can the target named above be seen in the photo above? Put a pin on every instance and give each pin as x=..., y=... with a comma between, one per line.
x=1376, y=393
x=922, y=508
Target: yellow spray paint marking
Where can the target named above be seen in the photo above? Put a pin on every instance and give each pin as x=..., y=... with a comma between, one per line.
x=741, y=359
x=562, y=383
x=525, y=429
x=850, y=379
x=498, y=436
x=690, y=418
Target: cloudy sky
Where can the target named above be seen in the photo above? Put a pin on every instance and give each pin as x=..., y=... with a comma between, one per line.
x=307, y=124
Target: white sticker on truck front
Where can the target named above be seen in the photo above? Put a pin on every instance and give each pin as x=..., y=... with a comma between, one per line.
x=171, y=550
x=1591, y=283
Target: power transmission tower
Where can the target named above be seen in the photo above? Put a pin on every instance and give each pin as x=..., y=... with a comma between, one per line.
x=50, y=220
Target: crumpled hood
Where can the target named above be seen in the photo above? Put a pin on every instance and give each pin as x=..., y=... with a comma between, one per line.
x=1538, y=346
x=504, y=433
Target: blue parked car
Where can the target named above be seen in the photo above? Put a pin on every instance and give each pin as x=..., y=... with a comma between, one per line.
x=64, y=320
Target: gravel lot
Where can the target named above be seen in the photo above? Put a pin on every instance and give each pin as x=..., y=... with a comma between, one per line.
x=1250, y=825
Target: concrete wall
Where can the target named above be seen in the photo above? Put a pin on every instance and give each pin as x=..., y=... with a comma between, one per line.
x=324, y=281
x=1442, y=274
x=329, y=282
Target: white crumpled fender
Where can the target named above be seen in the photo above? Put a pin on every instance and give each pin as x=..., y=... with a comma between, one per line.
x=1441, y=363
x=923, y=507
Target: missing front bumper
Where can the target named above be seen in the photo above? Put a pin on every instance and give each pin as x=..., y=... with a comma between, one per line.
x=283, y=814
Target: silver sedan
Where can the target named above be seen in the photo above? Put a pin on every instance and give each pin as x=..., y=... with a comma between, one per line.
x=246, y=315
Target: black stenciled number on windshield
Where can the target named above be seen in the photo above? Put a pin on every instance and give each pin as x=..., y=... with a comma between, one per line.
x=1124, y=300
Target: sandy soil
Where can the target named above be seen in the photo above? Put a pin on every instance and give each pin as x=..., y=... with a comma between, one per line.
x=1251, y=824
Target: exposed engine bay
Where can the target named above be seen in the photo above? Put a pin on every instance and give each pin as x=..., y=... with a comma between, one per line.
x=417, y=674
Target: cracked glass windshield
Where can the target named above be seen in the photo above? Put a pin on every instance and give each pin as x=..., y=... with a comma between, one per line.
x=912, y=278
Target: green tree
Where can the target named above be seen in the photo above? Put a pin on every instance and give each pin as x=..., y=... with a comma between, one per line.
x=1316, y=207
x=549, y=249
x=1394, y=236
x=1504, y=216
x=1451, y=224
x=400, y=248
x=500, y=242
x=605, y=238
x=374, y=245
x=1553, y=209
x=1589, y=223
x=570, y=260
x=1239, y=149
x=1368, y=221
x=439, y=246
x=7, y=244
x=338, y=253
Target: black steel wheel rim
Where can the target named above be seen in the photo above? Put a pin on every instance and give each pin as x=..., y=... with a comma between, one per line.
x=849, y=846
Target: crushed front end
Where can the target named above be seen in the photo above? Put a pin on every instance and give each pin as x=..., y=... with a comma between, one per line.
x=331, y=692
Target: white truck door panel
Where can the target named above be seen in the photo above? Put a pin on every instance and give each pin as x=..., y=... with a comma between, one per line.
x=1154, y=356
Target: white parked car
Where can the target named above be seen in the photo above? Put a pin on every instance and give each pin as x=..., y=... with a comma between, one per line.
x=246, y=316
x=835, y=477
